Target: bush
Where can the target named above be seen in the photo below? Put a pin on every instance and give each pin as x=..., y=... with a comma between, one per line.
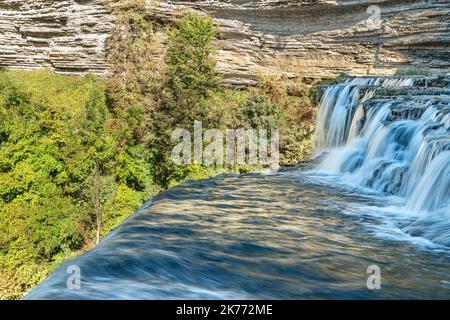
x=63, y=171
x=78, y=156
x=411, y=71
x=190, y=80
x=190, y=65
x=259, y=112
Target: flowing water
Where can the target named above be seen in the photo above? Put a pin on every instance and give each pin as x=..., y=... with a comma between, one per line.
x=377, y=193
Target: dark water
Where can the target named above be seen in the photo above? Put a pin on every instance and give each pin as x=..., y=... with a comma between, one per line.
x=291, y=235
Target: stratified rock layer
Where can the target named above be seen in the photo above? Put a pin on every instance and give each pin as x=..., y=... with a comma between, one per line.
x=309, y=38
x=66, y=36
x=326, y=38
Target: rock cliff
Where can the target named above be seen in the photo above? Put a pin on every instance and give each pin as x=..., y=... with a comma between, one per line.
x=309, y=38
x=67, y=36
x=326, y=38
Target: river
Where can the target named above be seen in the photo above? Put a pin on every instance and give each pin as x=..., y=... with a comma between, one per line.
x=376, y=193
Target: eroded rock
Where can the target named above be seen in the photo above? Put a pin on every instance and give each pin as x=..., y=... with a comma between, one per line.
x=310, y=38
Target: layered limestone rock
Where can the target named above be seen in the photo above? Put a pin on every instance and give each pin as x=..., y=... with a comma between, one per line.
x=320, y=39
x=67, y=36
x=308, y=38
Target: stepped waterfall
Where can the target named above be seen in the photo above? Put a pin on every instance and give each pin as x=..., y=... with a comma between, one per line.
x=392, y=136
x=377, y=192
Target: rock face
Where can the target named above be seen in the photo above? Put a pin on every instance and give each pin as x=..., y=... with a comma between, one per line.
x=308, y=38
x=322, y=38
x=67, y=36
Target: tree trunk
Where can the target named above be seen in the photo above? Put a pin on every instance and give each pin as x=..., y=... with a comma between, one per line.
x=96, y=192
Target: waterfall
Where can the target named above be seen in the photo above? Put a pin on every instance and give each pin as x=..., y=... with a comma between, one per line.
x=389, y=135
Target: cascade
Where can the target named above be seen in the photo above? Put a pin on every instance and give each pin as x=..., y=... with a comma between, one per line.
x=391, y=135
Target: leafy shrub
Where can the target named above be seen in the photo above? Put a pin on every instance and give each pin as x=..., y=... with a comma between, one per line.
x=63, y=171
x=78, y=156
x=411, y=71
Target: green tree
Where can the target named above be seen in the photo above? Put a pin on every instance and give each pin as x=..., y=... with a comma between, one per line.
x=191, y=75
x=67, y=174
x=190, y=80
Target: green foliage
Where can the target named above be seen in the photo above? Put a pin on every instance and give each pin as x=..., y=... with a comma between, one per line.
x=259, y=112
x=78, y=156
x=257, y=108
x=190, y=171
x=411, y=71
x=134, y=90
x=190, y=80
x=190, y=72
x=190, y=65
x=56, y=158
